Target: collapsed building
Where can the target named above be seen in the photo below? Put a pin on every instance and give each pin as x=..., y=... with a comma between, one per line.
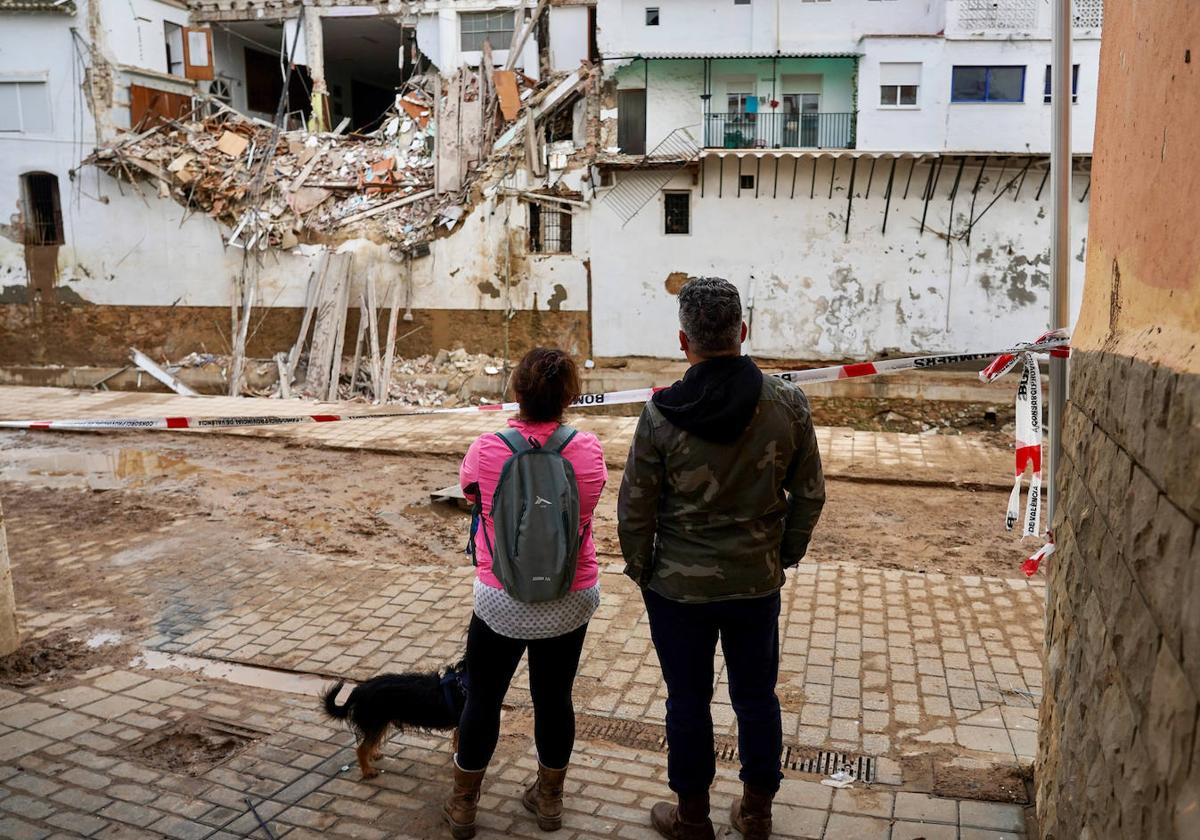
x=508, y=172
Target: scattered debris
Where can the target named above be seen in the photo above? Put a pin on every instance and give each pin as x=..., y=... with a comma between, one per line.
x=147, y=364
x=275, y=188
x=313, y=184
x=841, y=779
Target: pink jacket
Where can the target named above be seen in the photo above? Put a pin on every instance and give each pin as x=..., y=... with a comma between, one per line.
x=482, y=466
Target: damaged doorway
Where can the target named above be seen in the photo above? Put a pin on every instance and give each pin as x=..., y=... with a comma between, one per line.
x=364, y=67
x=41, y=217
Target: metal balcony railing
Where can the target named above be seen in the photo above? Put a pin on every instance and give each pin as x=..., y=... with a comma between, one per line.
x=779, y=131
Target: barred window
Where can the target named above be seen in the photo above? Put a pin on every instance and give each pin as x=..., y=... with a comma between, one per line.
x=677, y=211
x=1048, y=92
x=494, y=27
x=549, y=230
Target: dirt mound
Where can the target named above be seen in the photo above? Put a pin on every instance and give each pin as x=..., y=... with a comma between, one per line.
x=47, y=658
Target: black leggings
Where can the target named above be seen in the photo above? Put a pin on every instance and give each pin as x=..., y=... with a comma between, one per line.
x=492, y=660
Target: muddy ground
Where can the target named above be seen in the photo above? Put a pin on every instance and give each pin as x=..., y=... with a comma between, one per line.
x=376, y=506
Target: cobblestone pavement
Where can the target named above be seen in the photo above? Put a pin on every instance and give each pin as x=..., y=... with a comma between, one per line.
x=84, y=758
x=920, y=671
x=846, y=452
x=872, y=660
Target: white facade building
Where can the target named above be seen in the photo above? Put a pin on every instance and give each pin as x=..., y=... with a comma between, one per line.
x=869, y=172
x=81, y=253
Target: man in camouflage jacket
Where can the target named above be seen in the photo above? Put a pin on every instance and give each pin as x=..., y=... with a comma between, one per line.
x=722, y=490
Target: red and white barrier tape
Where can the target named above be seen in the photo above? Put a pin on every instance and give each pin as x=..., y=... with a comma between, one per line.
x=1034, y=561
x=635, y=395
x=1029, y=442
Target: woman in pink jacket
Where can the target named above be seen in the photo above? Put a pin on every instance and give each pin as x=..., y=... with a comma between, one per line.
x=502, y=628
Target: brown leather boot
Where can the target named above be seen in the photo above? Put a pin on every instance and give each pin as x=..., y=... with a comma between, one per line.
x=545, y=797
x=459, y=810
x=751, y=815
x=686, y=821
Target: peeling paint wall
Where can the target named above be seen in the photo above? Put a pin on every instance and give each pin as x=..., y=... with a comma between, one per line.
x=819, y=292
x=136, y=249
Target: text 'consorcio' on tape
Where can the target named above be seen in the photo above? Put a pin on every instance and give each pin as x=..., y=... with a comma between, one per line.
x=1048, y=343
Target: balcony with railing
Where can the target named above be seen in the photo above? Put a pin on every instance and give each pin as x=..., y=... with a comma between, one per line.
x=779, y=131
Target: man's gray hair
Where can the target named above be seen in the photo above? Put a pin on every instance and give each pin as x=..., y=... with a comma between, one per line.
x=710, y=314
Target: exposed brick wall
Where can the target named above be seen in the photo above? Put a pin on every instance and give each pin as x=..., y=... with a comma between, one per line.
x=1119, y=752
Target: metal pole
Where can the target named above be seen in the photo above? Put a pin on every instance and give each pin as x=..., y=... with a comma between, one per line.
x=1060, y=244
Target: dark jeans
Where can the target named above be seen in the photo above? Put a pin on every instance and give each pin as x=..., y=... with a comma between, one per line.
x=685, y=636
x=492, y=660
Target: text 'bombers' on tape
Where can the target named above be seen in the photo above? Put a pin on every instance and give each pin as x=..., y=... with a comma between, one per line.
x=1051, y=342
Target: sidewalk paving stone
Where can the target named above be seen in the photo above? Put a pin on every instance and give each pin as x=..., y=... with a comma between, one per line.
x=609, y=791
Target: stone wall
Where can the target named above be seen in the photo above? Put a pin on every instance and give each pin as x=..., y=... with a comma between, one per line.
x=1120, y=755
x=1119, y=752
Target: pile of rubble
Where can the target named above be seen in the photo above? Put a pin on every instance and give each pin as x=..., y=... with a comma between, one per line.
x=224, y=165
x=450, y=378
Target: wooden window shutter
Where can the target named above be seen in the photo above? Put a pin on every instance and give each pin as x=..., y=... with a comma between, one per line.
x=197, y=54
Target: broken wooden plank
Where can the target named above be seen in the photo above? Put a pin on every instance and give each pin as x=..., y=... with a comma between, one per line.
x=518, y=43
x=358, y=342
x=316, y=381
x=308, y=167
x=387, y=205
x=236, y=366
x=232, y=144
x=312, y=299
x=147, y=364
x=507, y=92
x=533, y=155
x=285, y=385
x=385, y=384
x=340, y=342
x=373, y=334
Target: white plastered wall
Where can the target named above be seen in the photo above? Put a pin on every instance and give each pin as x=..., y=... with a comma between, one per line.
x=819, y=292
x=939, y=124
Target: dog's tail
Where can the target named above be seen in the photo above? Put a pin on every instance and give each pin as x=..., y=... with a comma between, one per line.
x=329, y=701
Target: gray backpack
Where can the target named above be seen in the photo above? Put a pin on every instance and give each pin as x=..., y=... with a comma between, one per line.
x=535, y=511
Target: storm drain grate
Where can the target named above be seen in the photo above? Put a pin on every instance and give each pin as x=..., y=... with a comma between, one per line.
x=825, y=763
x=638, y=735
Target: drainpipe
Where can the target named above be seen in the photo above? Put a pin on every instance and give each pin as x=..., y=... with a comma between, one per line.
x=1060, y=243
x=314, y=48
x=777, y=39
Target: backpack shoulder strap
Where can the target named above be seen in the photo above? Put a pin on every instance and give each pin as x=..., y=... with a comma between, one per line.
x=559, y=439
x=514, y=440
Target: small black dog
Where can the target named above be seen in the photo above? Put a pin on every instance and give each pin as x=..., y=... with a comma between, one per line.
x=420, y=700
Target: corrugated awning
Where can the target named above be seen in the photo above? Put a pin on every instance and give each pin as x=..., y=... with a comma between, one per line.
x=65, y=7
x=812, y=153
x=857, y=153
x=760, y=55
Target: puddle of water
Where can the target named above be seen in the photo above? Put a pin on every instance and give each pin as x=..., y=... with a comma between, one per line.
x=248, y=675
x=94, y=470
x=102, y=638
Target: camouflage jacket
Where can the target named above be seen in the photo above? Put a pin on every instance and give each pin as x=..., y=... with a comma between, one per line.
x=702, y=521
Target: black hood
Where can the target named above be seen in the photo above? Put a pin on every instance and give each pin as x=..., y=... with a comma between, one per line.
x=715, y=400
